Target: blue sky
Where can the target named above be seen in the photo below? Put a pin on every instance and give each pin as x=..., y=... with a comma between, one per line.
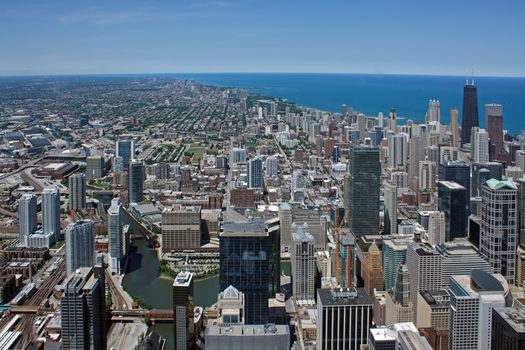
x=367, y=36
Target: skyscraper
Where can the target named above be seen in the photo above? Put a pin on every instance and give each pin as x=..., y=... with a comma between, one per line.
x=390, y=217
x=427, y=175
x=117, y=164
x=433, y=113
x=508, y=328
x=494, y=126
x=344, y=318
x=363, y=192
x=499, y=226
x=183, y=311
x=398, y=306
x=272, y=166
x=482, y=172
x=454, y=127
x=244, y=264
x=286, y=220
x=479, y=146
x=238, y=155
x=451, y=201
x=417, y=154
x=457, y=171
x=115, y=237
x=80, y=245
x=136, y=182
x=303, y=264
x=372, y=270
x=469, y=118
x=394, y=254
x=94, y=167
x=51, y=213
x=397, y=150
x=26, y=217
x=77, y=192
x=473, y=298
x=126, y=150
x=83, y=310
x=255, y=174
x=424, y=270
x=436, y=227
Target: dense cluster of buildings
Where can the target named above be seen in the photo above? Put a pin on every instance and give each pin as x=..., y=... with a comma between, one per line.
x=398, y=235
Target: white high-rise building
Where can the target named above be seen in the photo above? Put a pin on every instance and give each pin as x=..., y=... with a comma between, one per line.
x=436, y=227
x=26, y=217
x=427, y=176
x=80, y=245
x=361, y=125
x=238, y=155
x=499, y=229
x=272, y=166
x=473, y=297
x=479, y=146
x=313, y=131
x=303, y=263
x=390, y=217
x=424, y=270
x=51, y=212
x=454, y=127
x=397, y=150
x=434, y=111
x=115, y=237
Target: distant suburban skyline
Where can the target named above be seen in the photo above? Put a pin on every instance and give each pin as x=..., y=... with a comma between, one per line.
x=345, y=36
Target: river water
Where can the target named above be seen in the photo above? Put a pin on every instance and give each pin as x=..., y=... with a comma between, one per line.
x=144, y=281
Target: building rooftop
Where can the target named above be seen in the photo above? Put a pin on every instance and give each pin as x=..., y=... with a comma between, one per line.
x=494, y=184
x=343, y=296
x=183, y=279
x=243, y=229
x=269, y=329
x=478, y=281
x=451, y=185
x=515, y=317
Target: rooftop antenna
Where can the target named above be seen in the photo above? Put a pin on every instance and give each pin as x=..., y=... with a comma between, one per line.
x=472, y=76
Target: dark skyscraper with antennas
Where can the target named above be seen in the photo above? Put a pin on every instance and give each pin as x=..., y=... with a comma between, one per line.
x=469, y=118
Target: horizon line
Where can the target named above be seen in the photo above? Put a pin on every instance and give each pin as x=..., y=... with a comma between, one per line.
x=249, y=72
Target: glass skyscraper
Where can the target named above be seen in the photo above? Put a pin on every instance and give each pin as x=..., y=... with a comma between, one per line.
x=255, y=174
x=362, y=194
x=244, y=264
x=459, y=172
x=126, y=150
x=451, y=201
x=136, y=182
x=470, y=117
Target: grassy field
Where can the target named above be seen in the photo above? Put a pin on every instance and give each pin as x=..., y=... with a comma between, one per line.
x=197, y=151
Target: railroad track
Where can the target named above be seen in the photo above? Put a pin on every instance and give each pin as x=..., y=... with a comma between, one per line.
x=47, y=287
x=118, y=301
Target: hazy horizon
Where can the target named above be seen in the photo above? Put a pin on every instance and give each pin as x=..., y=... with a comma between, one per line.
x=138, y=73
